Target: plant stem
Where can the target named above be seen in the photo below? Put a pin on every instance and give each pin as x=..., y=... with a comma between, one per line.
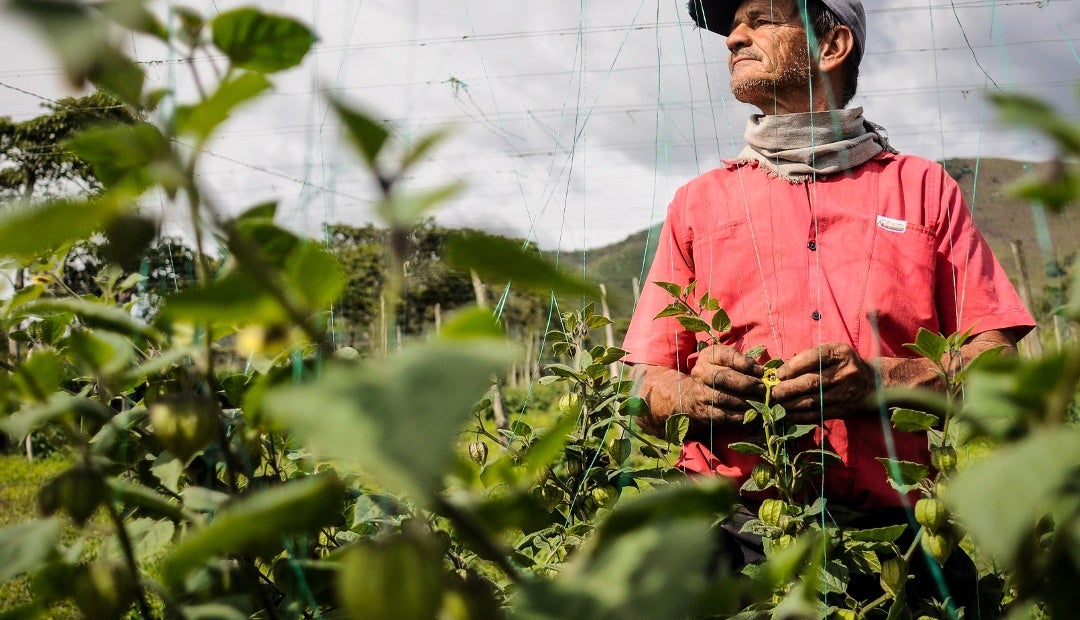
x=488, y=548
x=129, y=557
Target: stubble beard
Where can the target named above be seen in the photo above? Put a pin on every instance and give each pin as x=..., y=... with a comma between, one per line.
x=795, y=76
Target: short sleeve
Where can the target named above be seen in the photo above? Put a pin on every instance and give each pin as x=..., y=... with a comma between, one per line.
x=972, y=290
x=663, y=342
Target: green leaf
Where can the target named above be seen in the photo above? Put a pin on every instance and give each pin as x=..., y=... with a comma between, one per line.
x=648, y=560
x=501, y=259
x=369, y=135
x=128, y=240
x=745, y=447
x=399, y=577
x=596, y=321
x=705, y=498
x=260, y=41
x=1054, y=192
x=234, y=298
x=25, y=547
x=213, y=611
x=673, y=289
x=904, y=476
x=709, y=303
x=116, y=73
x=28, y=231
x=1006, y=395
x=118, y=428
x=423, y=146
x=20, y=424
x=92, y=314
x=911, y=421
x=133, y=15
x=878, y=534
x=930, y=345
x=201, y=119
x=676, y=309
x=635, y=407
x=610, y=356
x=1001, y=500
x=315, y=274
x=40, y=375
x=263, y=212
x=22, y=296
x=693, y=323
x=152, y=503
x=619, y=449
x=82, y=40
x=472, y=323
x=543, y=451
x=257, y=520
x=720, y=321
x=1029, y=111
x=395, y=417
x=102, y=353
x=130, y=158
x=797, y=431
x=408, y=209
x=676, y=427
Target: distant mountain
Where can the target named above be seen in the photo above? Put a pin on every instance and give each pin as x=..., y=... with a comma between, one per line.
x=1047, y=240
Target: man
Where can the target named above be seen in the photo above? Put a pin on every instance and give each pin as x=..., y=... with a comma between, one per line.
x=825, y=246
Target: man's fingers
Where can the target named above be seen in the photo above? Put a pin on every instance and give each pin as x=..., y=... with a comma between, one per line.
x=815, y=359
x=728, y=357
x=728, y=380
x=799, y=386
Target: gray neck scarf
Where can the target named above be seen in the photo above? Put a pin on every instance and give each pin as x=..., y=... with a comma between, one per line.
x=800, y=147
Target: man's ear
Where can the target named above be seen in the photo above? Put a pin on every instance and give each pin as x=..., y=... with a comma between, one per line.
x=835, y=47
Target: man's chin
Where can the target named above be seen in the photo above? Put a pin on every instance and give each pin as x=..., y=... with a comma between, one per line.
x=755, y=93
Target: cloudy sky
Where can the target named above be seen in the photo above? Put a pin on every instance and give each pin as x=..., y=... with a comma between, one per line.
x=575, y=121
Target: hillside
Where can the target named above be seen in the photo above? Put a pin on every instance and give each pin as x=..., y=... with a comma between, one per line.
x=1000, y=217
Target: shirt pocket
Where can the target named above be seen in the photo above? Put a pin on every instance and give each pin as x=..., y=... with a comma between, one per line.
x=901, y=283
x=734, y=265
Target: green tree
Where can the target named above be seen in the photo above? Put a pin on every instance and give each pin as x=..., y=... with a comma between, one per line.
x=33, y=158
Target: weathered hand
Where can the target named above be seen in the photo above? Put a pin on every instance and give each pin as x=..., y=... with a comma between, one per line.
x=832, y=379
x=715, y=391
x=728, y=378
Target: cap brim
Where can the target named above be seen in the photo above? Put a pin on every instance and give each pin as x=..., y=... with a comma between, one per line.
x=714, y=15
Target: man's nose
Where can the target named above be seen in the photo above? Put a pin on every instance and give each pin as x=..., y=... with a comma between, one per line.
x=739, y=37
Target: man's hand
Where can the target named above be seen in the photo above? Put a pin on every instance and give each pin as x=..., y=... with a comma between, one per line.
x=831, y=378
x=716, y=390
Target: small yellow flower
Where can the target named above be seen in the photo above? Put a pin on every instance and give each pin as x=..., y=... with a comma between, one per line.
x=770, y=378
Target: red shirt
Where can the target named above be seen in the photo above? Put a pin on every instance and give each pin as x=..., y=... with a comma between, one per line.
x=796, y=265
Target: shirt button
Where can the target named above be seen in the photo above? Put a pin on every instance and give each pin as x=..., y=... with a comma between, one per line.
x=812, y=245
x=816, y=315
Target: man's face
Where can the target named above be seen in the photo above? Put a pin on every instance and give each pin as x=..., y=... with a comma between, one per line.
x=769, y=64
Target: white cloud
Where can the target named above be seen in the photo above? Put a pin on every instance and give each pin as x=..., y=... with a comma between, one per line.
x=576, y=128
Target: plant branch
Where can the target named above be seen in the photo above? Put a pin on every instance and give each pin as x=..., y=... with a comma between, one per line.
x=129, y=557
x=487, y=546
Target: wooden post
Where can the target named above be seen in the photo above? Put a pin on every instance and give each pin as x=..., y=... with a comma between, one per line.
x=636, y=285
x=479, y=290
x=1032, y=345
x=384, y=336
x=609, y=331
x=527, y=369
x=498, y=404
x=438, y=319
